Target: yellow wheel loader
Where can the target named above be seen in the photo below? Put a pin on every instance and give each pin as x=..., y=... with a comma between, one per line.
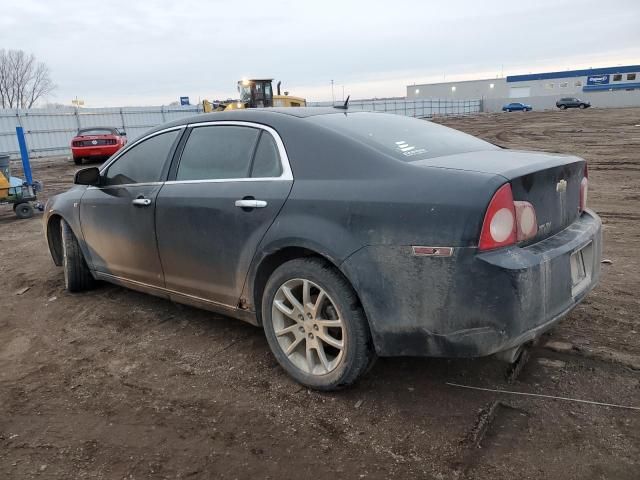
x=256, y=93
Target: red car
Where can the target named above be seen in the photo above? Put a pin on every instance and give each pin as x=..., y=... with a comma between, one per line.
x=97, y=143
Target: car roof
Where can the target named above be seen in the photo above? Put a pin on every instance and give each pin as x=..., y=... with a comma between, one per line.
x=257, y=115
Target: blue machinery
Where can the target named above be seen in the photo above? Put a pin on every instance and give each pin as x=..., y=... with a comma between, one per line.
x=15, y=191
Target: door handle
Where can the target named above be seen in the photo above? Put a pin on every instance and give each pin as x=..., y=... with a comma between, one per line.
x=246, y=203
x=141, y=202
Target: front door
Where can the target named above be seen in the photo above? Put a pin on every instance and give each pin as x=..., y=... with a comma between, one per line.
x=230, y=184
x=118, y=218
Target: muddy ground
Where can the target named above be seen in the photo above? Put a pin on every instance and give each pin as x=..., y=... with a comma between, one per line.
x=117, y=384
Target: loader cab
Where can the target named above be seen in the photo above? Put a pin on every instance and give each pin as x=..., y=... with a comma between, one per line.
x=256, y=93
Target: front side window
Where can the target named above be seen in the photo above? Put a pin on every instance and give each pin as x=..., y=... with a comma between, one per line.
x=631, y=76
x=217, y=152
x=617, y=77
x=143, y=163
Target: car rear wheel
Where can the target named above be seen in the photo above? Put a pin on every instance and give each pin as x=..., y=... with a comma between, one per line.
x=508, y=109
x=77, y=276
x=563, y=107
x=583, y=106
x=315, y=325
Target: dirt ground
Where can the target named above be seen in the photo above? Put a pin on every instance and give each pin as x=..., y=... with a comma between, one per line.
x=116, y=384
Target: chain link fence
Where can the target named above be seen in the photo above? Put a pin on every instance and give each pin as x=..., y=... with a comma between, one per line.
x=420, y=108
x=49, y=131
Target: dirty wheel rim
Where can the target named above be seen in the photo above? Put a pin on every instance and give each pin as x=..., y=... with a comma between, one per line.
x=308, y=326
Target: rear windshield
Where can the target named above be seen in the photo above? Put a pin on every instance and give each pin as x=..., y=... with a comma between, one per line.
x=96, y=131
x=405, y=138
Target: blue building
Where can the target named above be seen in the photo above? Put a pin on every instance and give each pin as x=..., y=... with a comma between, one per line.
x=603, y=87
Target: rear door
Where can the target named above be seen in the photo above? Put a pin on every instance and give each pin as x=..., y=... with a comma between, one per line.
x=230, y=181
x=118, y=218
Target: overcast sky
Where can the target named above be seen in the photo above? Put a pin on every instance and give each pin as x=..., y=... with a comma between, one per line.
x=145, y=52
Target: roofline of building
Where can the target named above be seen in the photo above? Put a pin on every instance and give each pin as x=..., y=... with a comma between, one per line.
x=573, y=73
x=543, y=76
x=417, y=85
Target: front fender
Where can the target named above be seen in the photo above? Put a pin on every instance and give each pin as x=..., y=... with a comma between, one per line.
x=65, y=206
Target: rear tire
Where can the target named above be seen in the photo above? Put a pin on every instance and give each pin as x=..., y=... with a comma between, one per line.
x=77, y=276
x=583, y=106
x=563, y=107
x=23, y=210
x=323, y=339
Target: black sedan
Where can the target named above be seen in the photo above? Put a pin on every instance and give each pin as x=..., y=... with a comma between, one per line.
x=345, y=235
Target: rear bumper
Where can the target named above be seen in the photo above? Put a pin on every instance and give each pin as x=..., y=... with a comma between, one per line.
x=474, y=304
x=102, y=151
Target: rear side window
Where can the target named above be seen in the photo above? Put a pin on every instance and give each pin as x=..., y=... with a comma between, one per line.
x=217, y=152
x=143, y=163
x=406, y=139
x=266, y=162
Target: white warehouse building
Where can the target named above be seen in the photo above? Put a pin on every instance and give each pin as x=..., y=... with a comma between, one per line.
x=603, y=87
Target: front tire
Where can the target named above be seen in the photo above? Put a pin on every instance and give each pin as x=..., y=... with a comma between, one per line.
x=582, y=106
x=315, y=325
x=563, y=107
x=77, y=276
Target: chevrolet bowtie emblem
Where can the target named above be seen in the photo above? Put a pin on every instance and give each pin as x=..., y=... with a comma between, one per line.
x=561, y=186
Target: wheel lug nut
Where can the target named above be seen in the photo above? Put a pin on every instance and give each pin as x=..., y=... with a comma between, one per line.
x=301, y=328
x=315, y=327
x=311, y=335
x=308, y=315
x=300, y=317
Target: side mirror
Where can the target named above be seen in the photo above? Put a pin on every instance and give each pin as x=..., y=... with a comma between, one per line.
x=123, y=133
x=87, y=176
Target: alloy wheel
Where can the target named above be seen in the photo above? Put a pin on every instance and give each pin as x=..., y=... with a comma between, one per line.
x=308, y=326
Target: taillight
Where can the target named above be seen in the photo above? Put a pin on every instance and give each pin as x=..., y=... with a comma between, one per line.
x=499, y=226
x=507, y=221
x=526, y=221
x=584, y=189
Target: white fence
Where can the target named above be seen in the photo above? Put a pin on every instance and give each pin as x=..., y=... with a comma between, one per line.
x=49, y=131
x=421, y=108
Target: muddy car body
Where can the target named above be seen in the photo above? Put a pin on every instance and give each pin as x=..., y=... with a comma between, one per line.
x=349, y=235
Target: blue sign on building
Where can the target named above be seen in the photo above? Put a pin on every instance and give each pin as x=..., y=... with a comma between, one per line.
x=184, y=101
x=597, y=79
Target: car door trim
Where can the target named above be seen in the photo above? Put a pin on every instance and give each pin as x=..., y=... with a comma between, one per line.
x=211, y=305
x=168, y=291
x=287, y=173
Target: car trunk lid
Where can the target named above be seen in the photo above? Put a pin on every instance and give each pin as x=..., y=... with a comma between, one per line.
x=550, y=182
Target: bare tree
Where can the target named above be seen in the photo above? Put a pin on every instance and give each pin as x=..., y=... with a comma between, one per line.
x=23, y=80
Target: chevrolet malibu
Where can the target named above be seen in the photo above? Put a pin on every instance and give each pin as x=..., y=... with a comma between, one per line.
x=344, y=235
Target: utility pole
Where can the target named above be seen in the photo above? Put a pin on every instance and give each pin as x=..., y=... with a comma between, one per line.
x=333, y=96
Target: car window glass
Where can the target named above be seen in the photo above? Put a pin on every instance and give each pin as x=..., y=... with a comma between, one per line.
x=143, y=163
x=217, y=152
x=404, y=138
x=266, y=162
